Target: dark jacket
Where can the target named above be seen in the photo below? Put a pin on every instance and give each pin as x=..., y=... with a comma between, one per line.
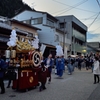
x=3, y=67
x=51, y=64
x=43, y=75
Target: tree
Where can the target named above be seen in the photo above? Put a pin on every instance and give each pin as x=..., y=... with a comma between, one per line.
x=9, y=8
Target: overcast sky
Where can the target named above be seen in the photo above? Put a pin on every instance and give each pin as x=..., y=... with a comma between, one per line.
x=87, y=11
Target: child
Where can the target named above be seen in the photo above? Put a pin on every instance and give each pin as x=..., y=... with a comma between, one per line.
x=42, y=76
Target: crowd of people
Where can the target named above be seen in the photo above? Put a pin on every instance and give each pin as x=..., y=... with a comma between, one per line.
x=58, y=63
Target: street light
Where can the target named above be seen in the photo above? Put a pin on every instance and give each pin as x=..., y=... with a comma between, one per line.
x=84, y=51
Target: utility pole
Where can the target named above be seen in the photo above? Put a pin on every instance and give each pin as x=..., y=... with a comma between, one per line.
x=74, y=43
x=64, y=36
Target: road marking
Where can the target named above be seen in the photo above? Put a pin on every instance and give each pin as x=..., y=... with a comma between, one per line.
x=67, y=79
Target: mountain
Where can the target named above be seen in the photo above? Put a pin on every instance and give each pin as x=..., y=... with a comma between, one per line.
x=9, y=8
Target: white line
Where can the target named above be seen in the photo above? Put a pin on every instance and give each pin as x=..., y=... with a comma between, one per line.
x=67, y=79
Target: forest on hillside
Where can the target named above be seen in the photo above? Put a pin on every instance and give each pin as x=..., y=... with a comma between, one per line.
x=9, y=8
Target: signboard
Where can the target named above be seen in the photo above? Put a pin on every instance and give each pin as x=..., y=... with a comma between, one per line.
x=42, y=48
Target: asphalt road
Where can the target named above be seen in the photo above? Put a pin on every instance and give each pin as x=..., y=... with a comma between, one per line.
x=78, y=86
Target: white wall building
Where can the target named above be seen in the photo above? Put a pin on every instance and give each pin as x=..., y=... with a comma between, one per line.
x=50, y=33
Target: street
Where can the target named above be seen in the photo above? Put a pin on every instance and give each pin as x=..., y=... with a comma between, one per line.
x=78, y=86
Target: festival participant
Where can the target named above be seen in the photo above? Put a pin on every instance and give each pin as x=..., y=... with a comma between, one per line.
x=69, y=65
x=63, y=62
x=2, y=70
x=80, y=60
x=60, y=60
x=96, y=70
x=60, y=66
x=48, y=63
x=55, y=64
x=42, y=76
x=76, y=61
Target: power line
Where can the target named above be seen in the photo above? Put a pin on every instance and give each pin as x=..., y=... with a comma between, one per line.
x=74, y=6
x=98, y=3
x=71, y=6
x=89, y=18
x=94, y=20
x=96, y=29
x=78, y=4
x=96, y=17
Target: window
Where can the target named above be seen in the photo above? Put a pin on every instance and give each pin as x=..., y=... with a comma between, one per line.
x=79, y=35
x=50, y=23
x=61, y=25
x=26, y=21
x=36, y=21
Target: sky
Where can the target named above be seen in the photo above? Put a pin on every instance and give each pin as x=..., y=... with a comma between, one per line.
x=87, y=11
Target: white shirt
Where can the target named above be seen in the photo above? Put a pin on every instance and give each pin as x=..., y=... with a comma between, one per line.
x=96, y=69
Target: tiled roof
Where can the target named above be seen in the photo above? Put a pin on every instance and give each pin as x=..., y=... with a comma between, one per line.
x=3, y=25
x=6, y=26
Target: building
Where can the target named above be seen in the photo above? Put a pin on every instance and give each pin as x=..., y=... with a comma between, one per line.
x=5, y=31
x=3, y=19
x=67, y=31
x=50, y=35
x=75, y=33
x=22, y=30
x=31, y=31
x=93, y=47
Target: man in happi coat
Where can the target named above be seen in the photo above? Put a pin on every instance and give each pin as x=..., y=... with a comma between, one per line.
x=60, y=66
x=49, y=63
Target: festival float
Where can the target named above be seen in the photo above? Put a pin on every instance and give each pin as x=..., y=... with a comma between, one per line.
x=24, y=59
